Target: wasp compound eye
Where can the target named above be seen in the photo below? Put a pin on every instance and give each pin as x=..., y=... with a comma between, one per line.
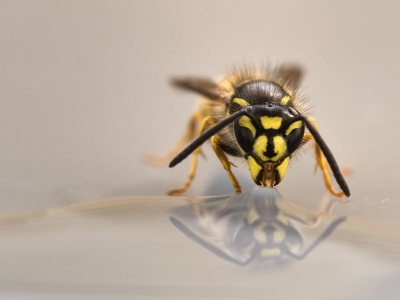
x=294, y=135
x=245, y=132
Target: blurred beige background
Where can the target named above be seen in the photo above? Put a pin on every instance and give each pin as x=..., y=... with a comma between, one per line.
x=84, y=92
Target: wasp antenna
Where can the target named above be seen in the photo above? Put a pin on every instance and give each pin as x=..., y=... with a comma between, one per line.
x=329, y=157
x=208, y=134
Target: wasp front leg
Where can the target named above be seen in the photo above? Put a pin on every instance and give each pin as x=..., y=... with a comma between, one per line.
x=204, y=123
x=322, y=162
x=215, y=142
x=161, y=160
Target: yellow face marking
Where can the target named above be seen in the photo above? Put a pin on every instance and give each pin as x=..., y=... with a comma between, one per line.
x=254, y=167
x=293, y=126
x=271, y=122
x=285, y=100
x=245, y=121
x=281, y=169
x=252, y=216
x=241, y=102
x=259, y=234
x=274, y=252
x=279, y=234
x=279, y=148
x=260, y=146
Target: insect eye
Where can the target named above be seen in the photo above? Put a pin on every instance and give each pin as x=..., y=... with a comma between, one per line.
x=244, y=137
x=294, y=136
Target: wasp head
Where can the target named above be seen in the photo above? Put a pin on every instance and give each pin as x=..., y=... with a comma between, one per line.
x=268, y=135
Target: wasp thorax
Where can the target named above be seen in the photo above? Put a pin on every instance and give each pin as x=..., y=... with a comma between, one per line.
x=268, y=137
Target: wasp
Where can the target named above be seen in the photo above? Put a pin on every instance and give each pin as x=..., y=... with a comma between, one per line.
x=256, y=115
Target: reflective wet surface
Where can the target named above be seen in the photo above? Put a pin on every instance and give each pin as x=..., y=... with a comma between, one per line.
x=254, y=227
x=197, y=248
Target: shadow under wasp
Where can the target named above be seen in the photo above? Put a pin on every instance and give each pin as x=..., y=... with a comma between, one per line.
x=257, y=115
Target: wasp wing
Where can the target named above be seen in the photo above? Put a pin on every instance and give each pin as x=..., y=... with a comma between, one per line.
x=203, y=86
x=291, y=75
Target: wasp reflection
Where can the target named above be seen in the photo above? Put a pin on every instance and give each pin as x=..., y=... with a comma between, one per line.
x=259, y=227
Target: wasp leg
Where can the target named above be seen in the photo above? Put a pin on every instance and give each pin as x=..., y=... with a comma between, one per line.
x=204, y=123
x=225, y=163
x=161, y=160
x=321, y=162
x=345, y=171
x=307, y=217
